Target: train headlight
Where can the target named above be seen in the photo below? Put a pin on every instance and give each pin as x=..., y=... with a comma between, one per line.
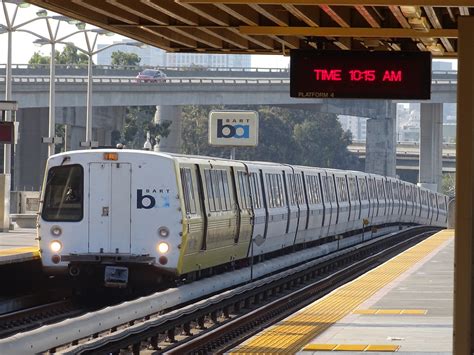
x=56, y=231
x=55, y=246
x=163, y=232
x=163, y=247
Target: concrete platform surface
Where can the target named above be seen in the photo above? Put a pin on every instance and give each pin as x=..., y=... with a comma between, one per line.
x=18, y=245
x=405, y=305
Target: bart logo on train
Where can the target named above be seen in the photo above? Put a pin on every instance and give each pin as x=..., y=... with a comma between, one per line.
x=232, y=131
x=153, y=198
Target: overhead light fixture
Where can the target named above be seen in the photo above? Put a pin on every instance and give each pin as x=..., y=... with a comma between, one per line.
x=411, y=11
x=19, y=3
x=40, y=42
x=427, y=41
x=419, y=24
x=81, y=26
x=42, y=13
x=436, y=49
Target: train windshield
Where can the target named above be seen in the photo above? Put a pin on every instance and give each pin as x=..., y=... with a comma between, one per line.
x=63, y=198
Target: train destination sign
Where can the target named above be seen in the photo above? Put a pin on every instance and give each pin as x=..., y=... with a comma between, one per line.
x=364, y=75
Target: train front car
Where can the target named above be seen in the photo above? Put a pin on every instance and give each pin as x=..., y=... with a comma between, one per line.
x=111, y=216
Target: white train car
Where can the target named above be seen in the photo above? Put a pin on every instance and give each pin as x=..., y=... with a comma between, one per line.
x=116, y=216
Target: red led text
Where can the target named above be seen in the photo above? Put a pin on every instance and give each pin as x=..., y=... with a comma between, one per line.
x=328, y=75
x=368, y=75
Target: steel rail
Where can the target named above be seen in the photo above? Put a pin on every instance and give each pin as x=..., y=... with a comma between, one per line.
x=146, y=331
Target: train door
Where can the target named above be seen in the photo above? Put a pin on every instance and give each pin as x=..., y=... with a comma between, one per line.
x=195, y=223
x=221, y=212
x=302, y=205
x=259, y=231
x=365, y=206
x=293, y=210
x=242, y=186
x=343, y=206
x=315, y=205
x=277, y=207
x=109, y=208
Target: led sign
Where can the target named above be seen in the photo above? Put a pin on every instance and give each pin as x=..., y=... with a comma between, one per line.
x=7, y=132
x=365, y=75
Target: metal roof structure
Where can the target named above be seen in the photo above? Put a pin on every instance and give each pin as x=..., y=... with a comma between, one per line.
x=275, y=27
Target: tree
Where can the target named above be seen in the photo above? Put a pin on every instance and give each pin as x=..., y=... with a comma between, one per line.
x=125, y=58
x=139, y=121
x=286, y=136
x=322, y=142
x=37, y=58
x=69, y=55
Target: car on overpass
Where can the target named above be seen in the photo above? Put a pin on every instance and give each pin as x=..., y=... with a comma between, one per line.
x=151, y=76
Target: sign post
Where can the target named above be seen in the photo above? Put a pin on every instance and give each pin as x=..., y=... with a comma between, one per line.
x=233, y=129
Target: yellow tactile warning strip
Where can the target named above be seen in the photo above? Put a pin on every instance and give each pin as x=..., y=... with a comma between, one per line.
x=22, y=250
x=9, y=256
x=351, y=347
x=391, y=311
x=291, y=334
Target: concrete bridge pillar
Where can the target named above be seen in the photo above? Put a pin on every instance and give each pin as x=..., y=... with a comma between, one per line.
x=431, y=146
x=30, y=153
x=75, y=135
x=381, y=143
x=172, y=143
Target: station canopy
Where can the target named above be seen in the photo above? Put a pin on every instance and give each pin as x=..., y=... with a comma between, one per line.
x=275, y=27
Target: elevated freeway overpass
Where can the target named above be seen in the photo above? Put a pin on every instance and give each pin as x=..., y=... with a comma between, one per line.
x=408, y=158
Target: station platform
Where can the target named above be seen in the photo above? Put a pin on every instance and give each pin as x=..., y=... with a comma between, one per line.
x=404, y=305
x=18, y=245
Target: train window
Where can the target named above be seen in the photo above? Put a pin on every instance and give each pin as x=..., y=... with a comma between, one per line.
x=441, y=202
x=255, y=191
x=217, y=189
x=244, y=189
x=372, y=189
x=408, y=194
x=63, y=198
x=353, y=189
x=330, y=186
x=362, y=188
x=341, y=189
x=388, y=190
x=226, y=204
x=324, y=186
x=291, y=189
x=276, y=197
x=300, y=190
x=380, y=190
x=281, y=194
x=188, y=192
x=210, y=193
x=395, y=189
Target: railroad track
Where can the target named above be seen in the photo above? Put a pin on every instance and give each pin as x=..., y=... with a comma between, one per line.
x=223, y=321
x=37, y=316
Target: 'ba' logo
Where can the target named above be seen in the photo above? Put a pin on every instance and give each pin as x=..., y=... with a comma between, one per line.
x=229, y=131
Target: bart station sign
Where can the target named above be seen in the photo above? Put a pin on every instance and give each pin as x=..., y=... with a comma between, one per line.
x=357, y=74
x=233, y=128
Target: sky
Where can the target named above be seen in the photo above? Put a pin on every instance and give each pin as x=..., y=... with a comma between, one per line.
x=23, y=47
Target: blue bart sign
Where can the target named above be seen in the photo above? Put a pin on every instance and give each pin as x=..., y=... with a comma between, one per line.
x=233, y=128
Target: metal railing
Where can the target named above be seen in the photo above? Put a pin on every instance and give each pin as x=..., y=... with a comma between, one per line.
x=170, y=80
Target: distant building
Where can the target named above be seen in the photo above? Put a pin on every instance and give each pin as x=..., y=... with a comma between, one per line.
x=155, y=57
x=437, y=65
x=356, y=125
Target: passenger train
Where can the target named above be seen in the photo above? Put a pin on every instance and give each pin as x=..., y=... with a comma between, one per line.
x=131, y=215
